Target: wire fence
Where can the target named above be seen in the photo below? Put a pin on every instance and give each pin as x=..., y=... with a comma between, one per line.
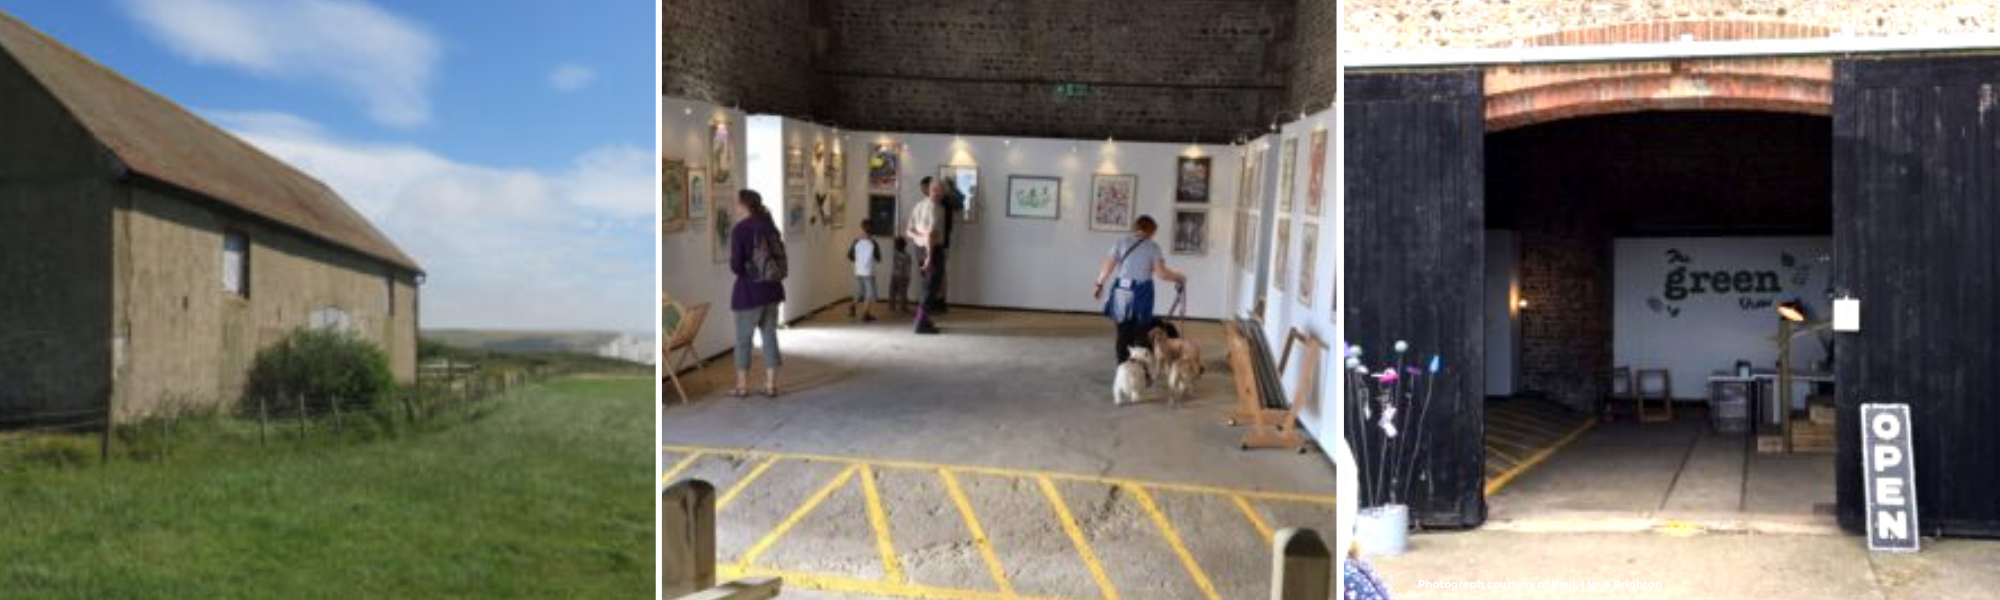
x=440, y=388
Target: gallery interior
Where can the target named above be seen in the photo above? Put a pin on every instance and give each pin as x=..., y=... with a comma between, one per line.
x=990, y=460
x=1636, y=265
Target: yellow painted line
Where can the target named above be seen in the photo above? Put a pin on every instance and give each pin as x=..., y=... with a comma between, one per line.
x=1528, y=424
x=1519, y=431
x=1494, y=485
x=978, y=533
x=680, y=466
x=863, y=587
x=730, y=495
x=758, y=549
x=1076, y=539
x=1256, y=520
x=891, y=567
x=1174, y=541
x=1495, y=449
x=1321, y=499
x=1675, y=528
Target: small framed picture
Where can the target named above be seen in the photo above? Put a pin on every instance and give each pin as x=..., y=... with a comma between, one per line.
x=1191, y=180
x=1114, y=199
x=1190, y=232
x=964, y=181
x=1034, y=197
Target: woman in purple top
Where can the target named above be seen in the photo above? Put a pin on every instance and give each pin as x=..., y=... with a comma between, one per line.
x=753, y=246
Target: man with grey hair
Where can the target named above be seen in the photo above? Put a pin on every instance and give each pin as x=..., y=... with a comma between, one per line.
x=925, y=231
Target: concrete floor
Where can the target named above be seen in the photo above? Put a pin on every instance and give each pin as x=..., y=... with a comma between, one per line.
x=1624, y=475
x=1006, y=406
x=1744, y=565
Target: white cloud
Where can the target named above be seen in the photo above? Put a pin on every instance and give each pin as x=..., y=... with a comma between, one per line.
x=379, y=59
x=571, y=77
x=516, y=248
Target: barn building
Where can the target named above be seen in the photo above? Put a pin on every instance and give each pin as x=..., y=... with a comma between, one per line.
x=1751, y=219
x=148, y=255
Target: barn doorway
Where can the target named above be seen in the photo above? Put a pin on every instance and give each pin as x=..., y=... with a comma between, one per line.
x=1636, y=264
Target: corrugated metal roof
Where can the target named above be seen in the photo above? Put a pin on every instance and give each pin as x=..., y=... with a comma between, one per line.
x=159, y=140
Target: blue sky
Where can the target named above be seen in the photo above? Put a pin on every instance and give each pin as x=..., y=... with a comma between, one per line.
x=506, y=144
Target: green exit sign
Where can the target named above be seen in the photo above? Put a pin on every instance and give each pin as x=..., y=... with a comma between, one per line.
x=1072, y=90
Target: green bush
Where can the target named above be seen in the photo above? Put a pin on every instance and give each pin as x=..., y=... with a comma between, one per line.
x=319, y=369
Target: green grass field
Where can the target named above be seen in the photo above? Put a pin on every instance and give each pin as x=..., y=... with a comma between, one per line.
x=547, y=493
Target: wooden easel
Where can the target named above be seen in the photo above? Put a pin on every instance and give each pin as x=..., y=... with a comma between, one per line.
x=682, y=340
x=1269, y=427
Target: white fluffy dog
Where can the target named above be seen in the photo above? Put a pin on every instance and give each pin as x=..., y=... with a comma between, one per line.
x=1135, y=375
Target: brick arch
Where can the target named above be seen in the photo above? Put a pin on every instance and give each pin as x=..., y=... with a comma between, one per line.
x=1521, y=95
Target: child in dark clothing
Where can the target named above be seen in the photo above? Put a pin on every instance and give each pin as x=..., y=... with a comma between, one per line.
x=899, y=277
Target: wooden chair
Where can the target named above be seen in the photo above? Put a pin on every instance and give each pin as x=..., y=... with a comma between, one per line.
x=1653, y=384
x=1259, y=393
x=682, y=340
x=1618, y=389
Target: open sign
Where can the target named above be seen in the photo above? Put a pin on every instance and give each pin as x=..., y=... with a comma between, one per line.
x=1890, y=476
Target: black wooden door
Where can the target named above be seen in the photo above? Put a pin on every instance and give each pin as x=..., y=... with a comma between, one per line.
x=1415, y=252
x=1916, y=217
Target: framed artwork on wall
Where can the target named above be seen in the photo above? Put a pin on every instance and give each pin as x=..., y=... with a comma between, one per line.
x=1316, y=170
x=795, y=166
x=721, y=153
x=1243, y=179
x=1281, y=254
x=721, y=221
x=1288, y=159
x=1191, y=179
x=836, y=168
x=885, y=164
x=882, y=213
x=1191, y=231
x=797, y=213
x=1251, y=181
x=1114, y=199
x=673, y=196
x=966, y=181
x=1308, y=259
x=833, y=202
x=1034, y=197
x=697, y=192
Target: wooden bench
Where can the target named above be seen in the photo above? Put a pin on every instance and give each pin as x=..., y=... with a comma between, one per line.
x=1260, y=393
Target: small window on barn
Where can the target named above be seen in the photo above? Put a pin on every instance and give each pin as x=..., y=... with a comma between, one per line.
x=236, y=263
x=389, y=288
x=331, y=318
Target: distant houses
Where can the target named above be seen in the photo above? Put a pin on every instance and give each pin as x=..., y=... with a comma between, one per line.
x=146, y=255
x=621, y=346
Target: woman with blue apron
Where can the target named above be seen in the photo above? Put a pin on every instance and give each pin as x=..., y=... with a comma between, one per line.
x=1129, y=271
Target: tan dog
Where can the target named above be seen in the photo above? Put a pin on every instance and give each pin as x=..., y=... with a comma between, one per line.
x=1181, y=377
x=1167, y=350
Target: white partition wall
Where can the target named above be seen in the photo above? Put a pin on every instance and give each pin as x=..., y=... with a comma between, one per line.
x=1694, y=306
x=692, y=271
x=1035, y=263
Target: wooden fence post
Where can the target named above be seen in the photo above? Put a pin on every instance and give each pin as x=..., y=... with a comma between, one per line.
x=1301, y=566
x=687, y=538
x=104, y=445
x=302, y=417
x=263, y=419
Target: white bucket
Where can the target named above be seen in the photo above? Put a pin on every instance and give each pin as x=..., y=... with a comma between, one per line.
x=1383, y=530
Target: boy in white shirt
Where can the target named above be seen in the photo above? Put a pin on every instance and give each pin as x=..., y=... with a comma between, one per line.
x=865, y=256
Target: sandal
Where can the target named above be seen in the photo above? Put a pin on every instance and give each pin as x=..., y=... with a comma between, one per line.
x=739, y=393
x=771, y=391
